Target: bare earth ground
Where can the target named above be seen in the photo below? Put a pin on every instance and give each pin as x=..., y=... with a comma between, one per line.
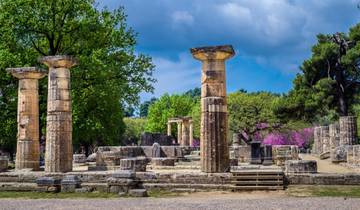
x=325, y=166
x=212, y=200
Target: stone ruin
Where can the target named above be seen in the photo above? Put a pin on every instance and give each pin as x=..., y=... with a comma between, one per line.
x=184, y=130
x=337, y=140
x=213, y=132
x=59, y=153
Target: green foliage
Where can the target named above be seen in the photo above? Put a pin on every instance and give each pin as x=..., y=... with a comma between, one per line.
x=109, y=74
x=134, y=127
x=168, y=106
x=329, y=81
x=248, y=110
x=144, y=107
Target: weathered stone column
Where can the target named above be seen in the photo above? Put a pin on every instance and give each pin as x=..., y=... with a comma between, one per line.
x=213, y=143
x=179, y=134
x=169, y=129
x=317, y=143
x=28, y=147
x=191, y=133
x=59, y=151
x=348, y=130
x=334, y=131
x=185, y=133
x=325, y=139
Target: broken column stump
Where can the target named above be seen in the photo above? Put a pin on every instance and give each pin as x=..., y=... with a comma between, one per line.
x=70, y=183
x=59, y=151
x=348, y=130
x=28, y=148
x=213, y=134
x=301, y=166
x=134, y=164
x=48, y=184
x=4, y=162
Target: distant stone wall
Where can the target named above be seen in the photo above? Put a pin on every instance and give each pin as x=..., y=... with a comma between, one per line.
x=108, y=157
x=148, y=139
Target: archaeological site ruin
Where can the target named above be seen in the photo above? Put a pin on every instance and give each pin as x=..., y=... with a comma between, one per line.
x=164, y=161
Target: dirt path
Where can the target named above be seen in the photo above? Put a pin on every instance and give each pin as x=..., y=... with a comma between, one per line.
x=325, y=166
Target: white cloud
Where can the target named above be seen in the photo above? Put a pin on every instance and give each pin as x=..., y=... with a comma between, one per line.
x=183, y=17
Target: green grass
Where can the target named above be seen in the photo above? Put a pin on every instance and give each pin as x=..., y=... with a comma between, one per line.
x=90, y=195
x=324, y=191
x=43, y=195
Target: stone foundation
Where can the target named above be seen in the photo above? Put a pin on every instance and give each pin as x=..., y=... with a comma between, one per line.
x=4, y=161
x=163, y=161
x=282, y=153
x=134, y=164
x=300, y=166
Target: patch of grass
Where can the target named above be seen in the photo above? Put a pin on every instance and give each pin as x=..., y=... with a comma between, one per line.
x=43, y=195
x=324, y=191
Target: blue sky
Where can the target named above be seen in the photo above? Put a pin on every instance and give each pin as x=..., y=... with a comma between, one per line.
x=271, y=37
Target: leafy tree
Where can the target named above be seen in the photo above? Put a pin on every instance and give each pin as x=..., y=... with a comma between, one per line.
x=194, y=93
x=166, y=107
x=110, y=74
x=134, y=127
x=250, y=113
x=330, y=78
x=144, y=107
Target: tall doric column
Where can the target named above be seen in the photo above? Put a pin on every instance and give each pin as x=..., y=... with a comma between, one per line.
x=213, y=143
x=325, y=139
x=179, y=133
x=59, y=151
x=191, y=133
x=348, y=130
x=169, y=129
x=317, y=140
x=334, y=131
x=28, y=148
x=185, y=133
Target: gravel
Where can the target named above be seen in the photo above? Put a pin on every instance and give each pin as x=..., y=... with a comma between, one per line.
x=193, y=201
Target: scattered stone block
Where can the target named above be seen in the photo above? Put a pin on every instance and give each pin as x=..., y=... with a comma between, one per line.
x=79, y=158
x=267, y=155
x=255, y=152
x=124, y=174
x=301, y=166
x=339, y=154
x=91, y=158
x=163, y=161
x=135, y=164
x=325, y=155
x=138, y=192
x=194, y=156
x=69, y=183
x=48, y=184
x=4, y=161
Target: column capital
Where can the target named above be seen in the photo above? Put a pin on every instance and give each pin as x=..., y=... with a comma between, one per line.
x=213, y=52
x=59, y=61
x=27, y=72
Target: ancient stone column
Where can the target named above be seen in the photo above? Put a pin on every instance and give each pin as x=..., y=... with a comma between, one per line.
x=348, y=130
x=59, y=151
x=191, y=133
x=325, y=139
x=185, y=133
x=28, y=147
x=179, y=134
x=316, y=149
x=334, y=135
x=169, y=129
x=213, y=137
